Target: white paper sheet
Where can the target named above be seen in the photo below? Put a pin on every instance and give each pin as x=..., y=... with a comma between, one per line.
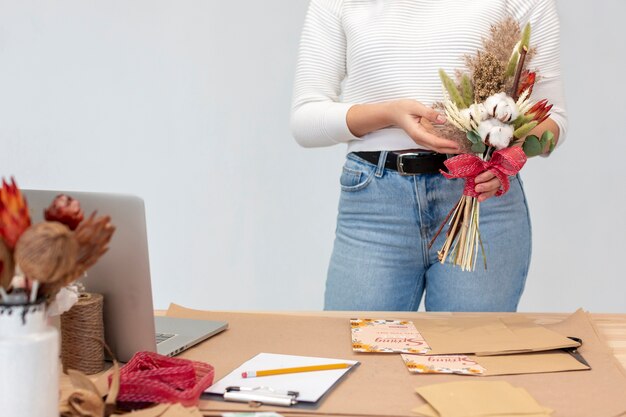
x=310, y=385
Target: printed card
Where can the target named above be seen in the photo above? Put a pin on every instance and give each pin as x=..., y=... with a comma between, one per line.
x=442, y=364
x=389, y=336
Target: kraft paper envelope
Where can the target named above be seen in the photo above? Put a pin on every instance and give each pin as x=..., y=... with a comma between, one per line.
x=381, y=385
x=530, y=363
x=488, y=335
x=521, y=363
x=479, y=398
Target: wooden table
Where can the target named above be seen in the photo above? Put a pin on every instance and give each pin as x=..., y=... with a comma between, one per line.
x=611, y=328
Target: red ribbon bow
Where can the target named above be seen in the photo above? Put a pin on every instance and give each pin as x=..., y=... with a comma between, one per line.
x=503, y=163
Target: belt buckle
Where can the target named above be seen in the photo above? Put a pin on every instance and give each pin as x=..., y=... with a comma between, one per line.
x=401, y=164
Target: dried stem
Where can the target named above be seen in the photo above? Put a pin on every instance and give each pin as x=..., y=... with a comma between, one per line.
x=463, y=237
x=518, y=72
x=430, y=245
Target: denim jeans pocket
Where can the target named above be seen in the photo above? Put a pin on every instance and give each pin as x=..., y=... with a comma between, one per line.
x=356, y=175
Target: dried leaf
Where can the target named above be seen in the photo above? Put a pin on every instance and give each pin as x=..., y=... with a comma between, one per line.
x=510, y=68
x=82, y=381
x=452, y=89
x=93, y=236
x=86, y=403
x=111, y=400
x=467, y=89
x=525, y=41
x=524, y=129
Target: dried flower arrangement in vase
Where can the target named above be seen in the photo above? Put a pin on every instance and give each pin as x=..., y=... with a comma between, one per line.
x=36, y=262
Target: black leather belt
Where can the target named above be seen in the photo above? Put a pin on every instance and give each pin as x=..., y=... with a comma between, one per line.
x=408, y=163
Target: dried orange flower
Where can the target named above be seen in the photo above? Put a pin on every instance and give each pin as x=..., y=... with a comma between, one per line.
x=14, y=216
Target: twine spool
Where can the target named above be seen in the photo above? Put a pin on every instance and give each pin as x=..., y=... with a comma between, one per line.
x=82, y=335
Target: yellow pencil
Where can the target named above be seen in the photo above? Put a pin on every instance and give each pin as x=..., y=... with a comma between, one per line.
x=267, y=372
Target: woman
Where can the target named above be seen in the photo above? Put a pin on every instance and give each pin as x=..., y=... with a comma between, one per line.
x=367, y=76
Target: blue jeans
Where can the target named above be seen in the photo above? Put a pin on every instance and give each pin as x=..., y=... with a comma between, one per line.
x=381, y=260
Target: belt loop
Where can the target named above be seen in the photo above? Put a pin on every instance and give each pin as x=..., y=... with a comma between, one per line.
x=381, y=164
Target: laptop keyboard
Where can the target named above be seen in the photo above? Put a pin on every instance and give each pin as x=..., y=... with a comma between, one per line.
x=162, y=337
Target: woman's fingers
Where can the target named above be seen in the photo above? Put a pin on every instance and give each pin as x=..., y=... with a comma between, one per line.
x=488, y=188
x=427, y=112
x=484, y=177
x=416, y=118
x=421, y=136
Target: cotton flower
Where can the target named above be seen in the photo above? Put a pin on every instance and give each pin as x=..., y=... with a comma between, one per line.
x=476, y=113
x=495, y=133
x=502, y=107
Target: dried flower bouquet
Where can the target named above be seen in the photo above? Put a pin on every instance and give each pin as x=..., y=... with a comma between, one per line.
x=491, y=113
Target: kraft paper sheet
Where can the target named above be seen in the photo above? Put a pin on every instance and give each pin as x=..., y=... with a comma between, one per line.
x=382, y=386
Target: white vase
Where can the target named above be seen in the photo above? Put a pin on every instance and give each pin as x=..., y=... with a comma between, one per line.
x=29, y=362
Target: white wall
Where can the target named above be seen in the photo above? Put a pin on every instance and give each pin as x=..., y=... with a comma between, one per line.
x=577, y=197
x=186, y=104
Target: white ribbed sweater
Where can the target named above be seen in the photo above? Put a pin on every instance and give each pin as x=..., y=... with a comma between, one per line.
x=367, y=51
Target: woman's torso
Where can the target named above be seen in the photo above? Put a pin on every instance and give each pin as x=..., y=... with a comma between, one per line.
x=395, y=48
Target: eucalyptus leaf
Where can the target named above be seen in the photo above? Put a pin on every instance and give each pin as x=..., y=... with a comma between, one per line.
x=478, y=147
x=473, y=136
x=547, y=141
x=547, y=136
x=532, y=146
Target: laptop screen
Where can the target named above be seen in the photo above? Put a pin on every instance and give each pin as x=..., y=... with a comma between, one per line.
x=122, y=275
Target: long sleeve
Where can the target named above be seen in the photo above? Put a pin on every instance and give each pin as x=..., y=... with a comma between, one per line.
x=318, y=118
x=544, y=23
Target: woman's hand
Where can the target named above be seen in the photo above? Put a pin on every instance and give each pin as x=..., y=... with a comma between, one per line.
x=409, y=115
x=487, y=184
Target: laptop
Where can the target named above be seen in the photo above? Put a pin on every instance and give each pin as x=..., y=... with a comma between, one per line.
x=122, y=276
